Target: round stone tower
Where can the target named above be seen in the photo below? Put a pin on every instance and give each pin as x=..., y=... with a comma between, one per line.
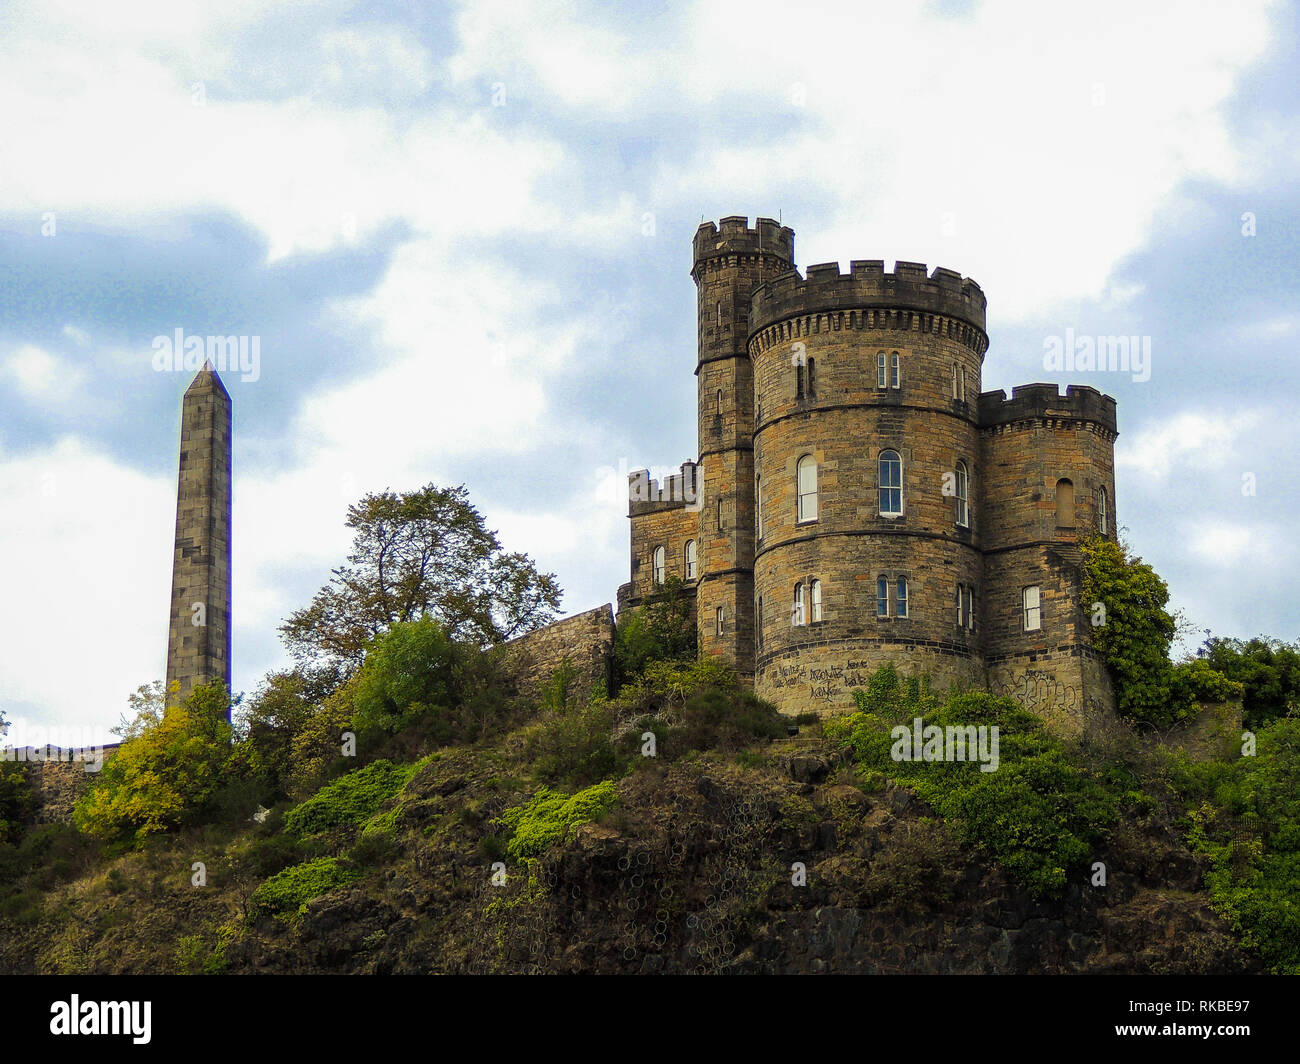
x=866, y=456
x=730, y=260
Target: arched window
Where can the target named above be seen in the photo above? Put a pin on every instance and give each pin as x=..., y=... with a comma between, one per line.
x=891, y=483
x=659, y=565
x=806, y=476
x=893, y=370
x=1101, y=512
x=797, y=613
x=900, y=597
x=816, y=601
x=956, y=394
x=758, y=506
x=959, y=605
x=1064, y=504
x=963, y=384
x=719, y=515
x=882, y=597
x=719, y=312
x=881, y=379
x=720, y=620
x=1032, y=609
x=691, y=559
x=963, y=501
x=812, y=378
x=717, y=409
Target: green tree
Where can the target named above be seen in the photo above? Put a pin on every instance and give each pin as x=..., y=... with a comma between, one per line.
x=662, y=629
x=168, y=768
x=1268, y=671
x=1136, y=630
x=426, y=552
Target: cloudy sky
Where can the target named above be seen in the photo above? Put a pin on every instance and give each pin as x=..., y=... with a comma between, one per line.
x=461, y=233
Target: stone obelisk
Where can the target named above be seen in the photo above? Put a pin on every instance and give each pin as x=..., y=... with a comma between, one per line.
x=198, y=641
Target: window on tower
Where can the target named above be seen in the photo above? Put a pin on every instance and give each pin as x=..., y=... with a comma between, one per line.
x=893, y=370
x=900, y=597
x=1032, y=609
x=806, y=478
x=1102, y=516
x=659, y=558
x=692, y=561
x=812, y=378
x=816, y=596
x=719, y=618
x=882, y=596
x=890, y=470
x=963, y=502
x=797, y=610
x=881, y=378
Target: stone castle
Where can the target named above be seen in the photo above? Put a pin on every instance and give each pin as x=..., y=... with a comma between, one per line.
x=857, y=499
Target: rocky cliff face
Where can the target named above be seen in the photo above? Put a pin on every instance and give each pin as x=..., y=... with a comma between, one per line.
x=696, y=870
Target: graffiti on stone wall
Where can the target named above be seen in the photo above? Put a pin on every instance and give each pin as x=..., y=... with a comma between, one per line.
x=786, y=675
x=825, y=682
x=1038, y=691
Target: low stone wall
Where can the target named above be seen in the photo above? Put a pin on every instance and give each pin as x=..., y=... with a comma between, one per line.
x=586, y=640
x=59, y=777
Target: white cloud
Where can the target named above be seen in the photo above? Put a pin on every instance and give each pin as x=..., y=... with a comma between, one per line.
x=42, y=377
x=1191, y=439
x=85, y=571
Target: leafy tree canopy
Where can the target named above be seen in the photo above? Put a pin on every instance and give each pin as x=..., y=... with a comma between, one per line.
x=425, y=552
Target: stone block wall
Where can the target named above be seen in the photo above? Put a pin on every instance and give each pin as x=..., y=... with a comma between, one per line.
x=586, y=640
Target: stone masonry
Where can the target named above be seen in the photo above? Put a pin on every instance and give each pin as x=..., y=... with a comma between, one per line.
x=198, y=640
x=585, y=640
x=858, y=378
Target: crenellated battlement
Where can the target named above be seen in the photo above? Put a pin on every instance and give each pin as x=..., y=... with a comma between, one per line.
x=734, y=236
x=646, y=494
x=943, y=293
x=1036, y=402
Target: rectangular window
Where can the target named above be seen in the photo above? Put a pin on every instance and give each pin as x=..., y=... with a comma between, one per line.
x=894, y=369
x=812, y=378
x=882, y=597
x=968, y=603
x=880, y=370
x=1033, y=611
x=720, y=618
x=901, y=597
x=719, y=515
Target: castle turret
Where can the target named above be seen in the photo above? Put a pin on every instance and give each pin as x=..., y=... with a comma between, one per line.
x=866, y=446
x=198, y=641
x=1050, y=480
x=730, y=260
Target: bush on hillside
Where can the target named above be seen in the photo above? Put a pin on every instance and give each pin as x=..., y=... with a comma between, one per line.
x=165, y=773
x=1039, y=814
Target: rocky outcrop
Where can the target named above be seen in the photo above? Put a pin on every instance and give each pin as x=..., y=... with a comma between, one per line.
x=714, y=868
